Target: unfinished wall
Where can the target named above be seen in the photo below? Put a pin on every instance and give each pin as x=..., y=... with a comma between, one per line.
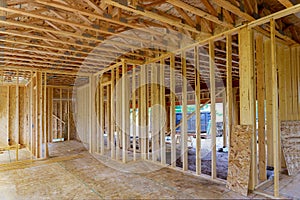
x=82, y=114
x=3, y=116
x=8, y=116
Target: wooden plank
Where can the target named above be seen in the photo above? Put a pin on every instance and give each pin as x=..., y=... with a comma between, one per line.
x=229, y=91
x=294, y=83
x=46, y=150
x=172, y=110
x=134, y=121
x=184, y=128
x=275, y=110
x=68, y=110
x=198, y=112
x=199, y=12
x=118, y=112
x=98, y=85
x=288, y=82
x=60, y=114
x=286, y=3
x=101, y=116
x=17, y=116
x=155, y=120
x=125, y=108
x=162, y=112
x=153, y=15
x=213, y=109
x=31, y=117
x=92, y=114
x=224, y=121
x=268, y=83
x=108, y=115
x=51, y=112
x=113, y=115
x=143, y=115
x=261, y=108
x=247, y=97
x=240, y=159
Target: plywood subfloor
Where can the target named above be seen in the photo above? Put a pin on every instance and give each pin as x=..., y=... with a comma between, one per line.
x=10, y=156
x=95, y=177
x=288, y=186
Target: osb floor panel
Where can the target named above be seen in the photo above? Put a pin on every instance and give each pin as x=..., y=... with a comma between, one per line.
x=288, y=186
x=89, y=177
x=10, y=156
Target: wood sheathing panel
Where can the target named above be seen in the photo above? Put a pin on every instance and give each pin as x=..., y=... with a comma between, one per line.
x=239, y=159
x=3, y=116
x=290, y=139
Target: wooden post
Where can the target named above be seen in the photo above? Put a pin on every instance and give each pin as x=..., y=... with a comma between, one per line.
x=213, y=109
x=269, y=86
x=46, y=152
x=101, y=104
x=118, y=113
x=31, y=112
x=50, y=114
x=224, y=120
x=162, y=112
x=184, y=148
x=261, y=108
x=41, y=125
x=113, y=116
x=17, y=116
x=68, y=105
x=155, y=119
x=172, y=111
x=143, y=110
x=125, y=109
x=7, y=116
x=275, y=109
x=229, y=86
x=198, y=112
x=60, y=114
x=108, y=115
x=92, y=117
x=247, y=97
x=134, y=123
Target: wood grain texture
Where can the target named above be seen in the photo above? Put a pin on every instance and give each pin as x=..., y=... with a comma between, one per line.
x=239, y=159
x=290, y=140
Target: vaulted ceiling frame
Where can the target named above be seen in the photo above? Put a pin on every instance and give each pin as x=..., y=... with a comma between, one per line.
x=88, y=54
x=76, y=45
x=67, y=34
x=93, y=15
x=60, y=21
x=41, y=59
x=229, y=6
x=40, y=52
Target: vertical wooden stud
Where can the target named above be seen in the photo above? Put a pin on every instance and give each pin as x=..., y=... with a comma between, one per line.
x=275, y=109
x=17, y=116
x=184, y=148
x=172, y=111
x=113, y=116
x=229, y=91
x=134, y=112
x=213, y=108
x=162, y=112
x=261, y=108
x=247, y=97
x=198, y=112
